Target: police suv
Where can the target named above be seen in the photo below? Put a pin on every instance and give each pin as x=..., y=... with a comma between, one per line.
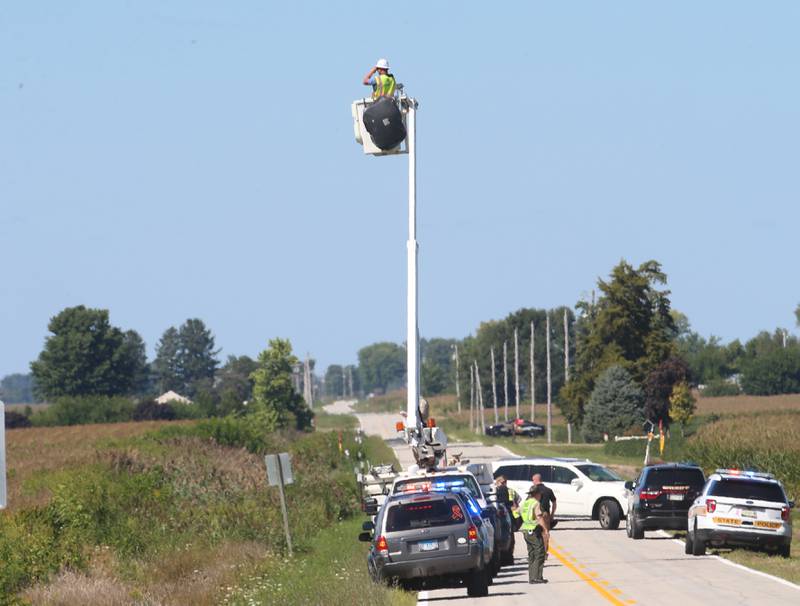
x=740, y=508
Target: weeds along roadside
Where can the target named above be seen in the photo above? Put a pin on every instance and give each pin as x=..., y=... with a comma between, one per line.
x=144, y=501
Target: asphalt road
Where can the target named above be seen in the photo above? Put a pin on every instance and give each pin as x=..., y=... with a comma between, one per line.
x=588, y=565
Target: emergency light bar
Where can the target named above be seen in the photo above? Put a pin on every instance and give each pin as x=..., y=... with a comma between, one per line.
x=745, y=472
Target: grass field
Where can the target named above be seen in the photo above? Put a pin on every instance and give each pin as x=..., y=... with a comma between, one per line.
x=724, y=405
x=167, y=513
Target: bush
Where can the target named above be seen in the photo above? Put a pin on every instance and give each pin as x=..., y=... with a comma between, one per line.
x=615, y=404
x=80, y=410
x=720, y=387
x=15, y=420
x=150, y=410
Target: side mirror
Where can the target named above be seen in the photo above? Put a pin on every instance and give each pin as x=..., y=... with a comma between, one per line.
x=370, y=506
x=368, y=526
x=629, y=485
x=365, y=537
x=577, y=483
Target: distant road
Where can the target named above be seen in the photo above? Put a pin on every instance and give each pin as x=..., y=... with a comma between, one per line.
x=588, y=565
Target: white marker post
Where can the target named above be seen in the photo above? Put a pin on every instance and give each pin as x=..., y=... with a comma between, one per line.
x=3, y=494
x=279, y=472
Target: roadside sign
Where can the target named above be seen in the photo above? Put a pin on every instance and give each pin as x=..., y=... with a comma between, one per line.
x=279, y=472
x=279, y=469
x=3, y=495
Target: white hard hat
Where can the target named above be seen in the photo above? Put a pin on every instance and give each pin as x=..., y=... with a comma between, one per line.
x=382, y=64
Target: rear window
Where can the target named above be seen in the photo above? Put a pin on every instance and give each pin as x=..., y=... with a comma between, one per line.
x=660, y=478
x=747, y=489
x=422, y=514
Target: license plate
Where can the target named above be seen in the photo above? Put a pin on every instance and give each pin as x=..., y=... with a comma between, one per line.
x=428, y=545
x=675, y=497
x=746, y=513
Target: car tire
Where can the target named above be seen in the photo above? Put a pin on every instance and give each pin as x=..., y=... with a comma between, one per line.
x=609, y=515
x=478, y=583
x=698, y=546
x=629, y=525
x=508, y=558
x=637, y=532
x=785, y=551
x=687, y=548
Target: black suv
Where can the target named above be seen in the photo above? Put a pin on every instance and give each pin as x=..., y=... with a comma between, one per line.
x=661, y=497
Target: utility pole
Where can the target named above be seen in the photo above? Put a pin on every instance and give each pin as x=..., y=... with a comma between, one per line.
x=566, y=368
x=549, y=384
x=494, y=390
x=344, y=385
x=516, y=369
x=479, y=430
x=458, y=385
x=533, y=379
x=308, y=394
x=471, y=396
x=505, y=376
x=350, y=380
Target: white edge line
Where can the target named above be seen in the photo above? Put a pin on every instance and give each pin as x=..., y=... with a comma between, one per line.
x=422, y=598
x=739, y=566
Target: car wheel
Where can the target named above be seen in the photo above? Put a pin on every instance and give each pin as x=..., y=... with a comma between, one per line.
x=785, y=551
x=637, y=532
x=698, y=546
x=687, y=549
x=608, y=514
x=478, y=583
x=629, y=526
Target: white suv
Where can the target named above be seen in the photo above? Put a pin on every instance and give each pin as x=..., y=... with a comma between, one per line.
x=582, y=488
x=740, y=508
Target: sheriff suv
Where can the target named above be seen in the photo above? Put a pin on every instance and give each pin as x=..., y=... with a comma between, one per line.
x=435, y=537
x=740, y=508
x=660, y=497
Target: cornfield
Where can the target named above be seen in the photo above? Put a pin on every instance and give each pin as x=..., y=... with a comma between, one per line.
x=767, y=442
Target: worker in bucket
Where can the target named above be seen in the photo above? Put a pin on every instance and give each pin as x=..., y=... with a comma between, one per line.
x=382, y=82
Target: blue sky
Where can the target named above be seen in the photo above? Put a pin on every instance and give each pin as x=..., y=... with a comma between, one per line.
x=180, y=159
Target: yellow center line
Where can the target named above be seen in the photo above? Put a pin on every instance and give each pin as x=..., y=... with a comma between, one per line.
x=608, y=594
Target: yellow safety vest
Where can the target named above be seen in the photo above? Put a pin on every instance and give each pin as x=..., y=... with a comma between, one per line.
x=384, y=86
x=529, y=521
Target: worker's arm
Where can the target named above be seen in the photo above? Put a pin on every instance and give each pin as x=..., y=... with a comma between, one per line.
x=540, y=518
x=369, y=75
x=553, y=505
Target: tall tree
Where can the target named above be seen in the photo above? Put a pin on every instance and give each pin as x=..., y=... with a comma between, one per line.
x=167, y=362
x=18, y=388
x=382, y=365
x=614, y=406
x=198, y=356
x=86, y=355
x=658, y=387
x=335, y=381
x=234, y=383
x=186, y=358
x=276, y=404
x=630, y=325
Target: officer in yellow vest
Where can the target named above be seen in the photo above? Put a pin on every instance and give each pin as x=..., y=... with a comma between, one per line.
x=382, y=82
x=533, y=523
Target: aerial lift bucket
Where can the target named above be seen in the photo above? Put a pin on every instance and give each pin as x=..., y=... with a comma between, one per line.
x=366, y=140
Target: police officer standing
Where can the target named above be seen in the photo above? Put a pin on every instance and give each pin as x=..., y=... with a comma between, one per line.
x=548, y=504
x=533, y=525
